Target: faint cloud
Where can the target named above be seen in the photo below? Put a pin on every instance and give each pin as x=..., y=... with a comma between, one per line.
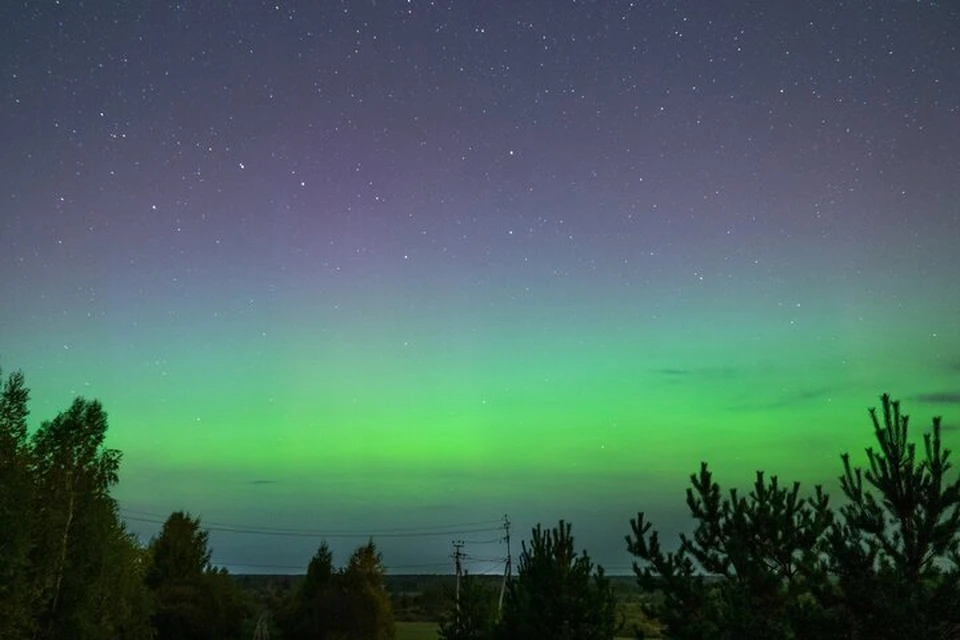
x=706, y=372
x=950, y=365
x=942, y=397
x=673, y=372
x=263, y=482
x=788, y=400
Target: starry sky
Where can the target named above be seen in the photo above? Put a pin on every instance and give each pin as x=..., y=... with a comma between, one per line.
x=401, y=267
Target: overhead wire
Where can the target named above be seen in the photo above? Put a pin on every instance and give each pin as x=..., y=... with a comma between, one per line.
x=475, y=523
x=471, y=557
x=395, y=532
x=486, y=563
x=302, y=568
x=490, y=541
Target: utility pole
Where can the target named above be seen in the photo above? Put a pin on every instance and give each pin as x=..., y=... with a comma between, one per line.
x=457, y=555
x=507, y=568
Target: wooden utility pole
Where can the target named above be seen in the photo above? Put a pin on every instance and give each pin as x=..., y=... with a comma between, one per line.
x=457, y=555
x=507, y=568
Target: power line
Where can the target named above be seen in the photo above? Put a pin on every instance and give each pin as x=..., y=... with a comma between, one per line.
x=476, y=523
x=469, y=557
x=300, y=533
x=303, y=568
x=427, y=529
x=488, y=541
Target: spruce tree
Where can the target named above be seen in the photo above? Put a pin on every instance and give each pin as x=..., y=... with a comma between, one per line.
x=337, y=604
x=311, y=610
x=194, y=600
x=367, y=607
x=180, y=553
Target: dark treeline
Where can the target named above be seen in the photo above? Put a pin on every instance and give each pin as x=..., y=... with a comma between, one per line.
x=885, y=564
x=772, y=563
x=68, y=567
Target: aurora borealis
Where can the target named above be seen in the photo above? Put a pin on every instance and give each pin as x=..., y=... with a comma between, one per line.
x=383, y=266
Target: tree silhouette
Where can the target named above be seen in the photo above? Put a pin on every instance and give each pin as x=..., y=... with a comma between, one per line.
x=180, y=553
x=16, y=497
x=119, y=602
x=194, y=601
x=785, y=566
x=350, y=603
x=368, y=605
x=73, y=474
x=763, y=546
x=312, y=611
x=476, y=616
x=68, y=567
x=558, y=594
x=896, y=549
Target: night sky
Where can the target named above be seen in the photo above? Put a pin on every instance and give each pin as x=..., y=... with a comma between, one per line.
x=402, y=267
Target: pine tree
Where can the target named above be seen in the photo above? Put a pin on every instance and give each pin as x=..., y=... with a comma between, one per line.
x=896, y=550
x=787, y=567
x=763, y=551
x=558, y=594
